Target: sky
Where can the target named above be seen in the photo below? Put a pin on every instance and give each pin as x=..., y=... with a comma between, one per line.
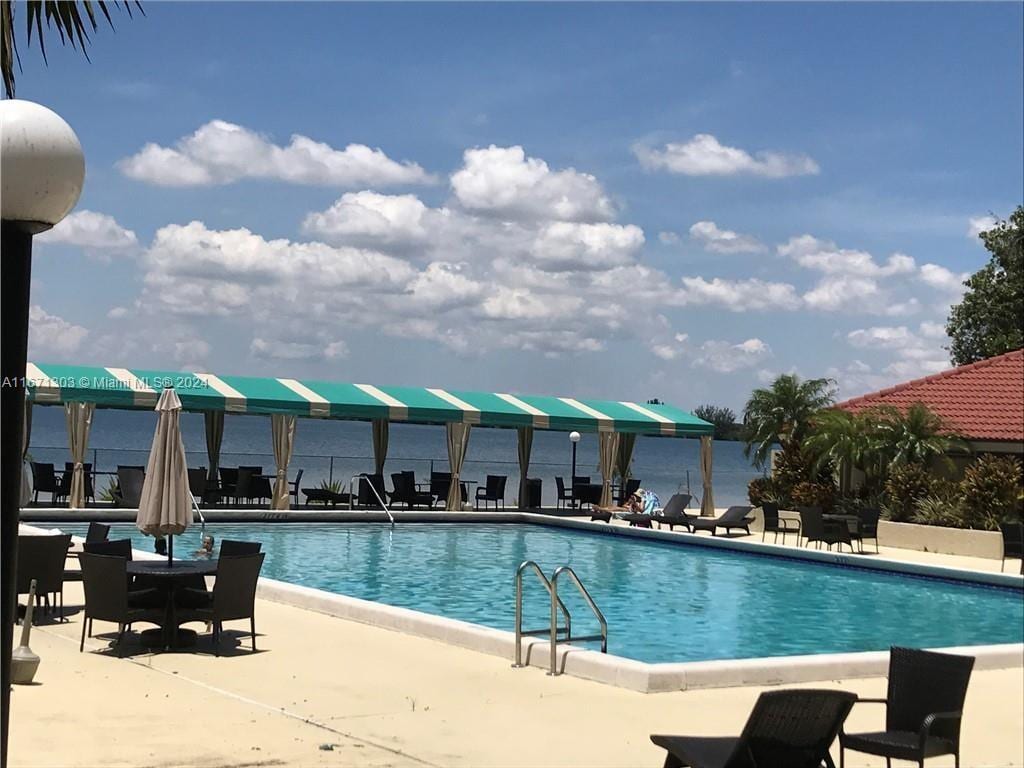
x=616, y=201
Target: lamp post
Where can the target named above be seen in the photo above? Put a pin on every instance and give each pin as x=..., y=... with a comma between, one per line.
x=41, y=174
x=574, y=437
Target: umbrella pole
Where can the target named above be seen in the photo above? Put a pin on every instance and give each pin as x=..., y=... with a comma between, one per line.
x=170, y=548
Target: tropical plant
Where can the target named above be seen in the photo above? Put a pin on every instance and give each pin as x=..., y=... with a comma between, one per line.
x=782, y=413
x=70, y=19
x=939, y=509
x=915, y=436
x=760, y=490
x=110, y=492
x=846, y=441
x=990, y=490
x=989, y=320
x=813, y=494
x=723, y=419
x=905, y=486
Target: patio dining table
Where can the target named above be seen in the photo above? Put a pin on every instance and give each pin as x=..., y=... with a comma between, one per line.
x=170, y=577
x=852, y=523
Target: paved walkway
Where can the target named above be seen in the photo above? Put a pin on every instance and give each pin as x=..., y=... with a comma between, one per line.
x=381, y=698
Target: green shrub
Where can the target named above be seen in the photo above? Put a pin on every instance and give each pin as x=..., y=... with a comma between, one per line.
x=907, y=484
x=939, y=509
x=990, y=491
x=809, y=494
x=794, y=468
x=760, y=490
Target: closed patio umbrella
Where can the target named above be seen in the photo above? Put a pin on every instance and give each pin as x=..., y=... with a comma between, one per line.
x=165, y=508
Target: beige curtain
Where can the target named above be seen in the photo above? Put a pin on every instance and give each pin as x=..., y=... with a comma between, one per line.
x=607, y=449
x=282, y=429
x=26, y=483
x=624, y=456
x=380, y=444
x=79, y=421
x=214, y=421
x=525, y=447
x=165, y=506
x=707, y=503
x=458, y=443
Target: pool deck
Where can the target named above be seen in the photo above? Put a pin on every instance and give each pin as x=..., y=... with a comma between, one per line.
x=383, y=698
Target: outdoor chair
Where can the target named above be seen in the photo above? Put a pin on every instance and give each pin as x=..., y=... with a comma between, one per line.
x=923, y=708
x=111, y=548
x=1013, y=543
x=65, y=483
x=232, y=548
x=627, y=489
x=867, y=528
x=108, y=598
x=775, y=524
x=228, y=481
x=674, y=512
x=293, y=487
x=97, y=532
x=42, y=558
x=325, y=496
x=563, y=494
x=821, y=531
x=233, y=596
x=371, y=490
x=786, y=729
x=440, y=482
x=44, y=480
x=197, y=483
x=494, y=490
x=129, y=486
x=405, y=491
x=244, y=481
x=733, y=517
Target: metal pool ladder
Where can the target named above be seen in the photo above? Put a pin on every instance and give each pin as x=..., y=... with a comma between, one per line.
x=554, y=631
x=383, y=505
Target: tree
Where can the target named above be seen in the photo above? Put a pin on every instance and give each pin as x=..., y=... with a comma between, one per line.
x=846, y=441
x=69, y=18
x=782, y=413
x=724, y=419
x=989, y=320
x=914, y=436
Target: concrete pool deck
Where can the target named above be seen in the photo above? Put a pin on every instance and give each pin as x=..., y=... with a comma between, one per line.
x=383, y=698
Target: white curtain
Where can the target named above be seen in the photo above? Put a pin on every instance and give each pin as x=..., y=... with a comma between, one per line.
x=380, y=444
x=525, y=447
x=607, y=449
x=707, y=503
x=458, y=443
x=282, y=430
x=79, y=421
x=26, y=477
x=214, y=421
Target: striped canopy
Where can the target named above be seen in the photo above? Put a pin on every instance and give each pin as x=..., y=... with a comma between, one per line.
x=139, y=389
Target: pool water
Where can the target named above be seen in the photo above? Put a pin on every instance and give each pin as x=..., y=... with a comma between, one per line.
x=663, y=602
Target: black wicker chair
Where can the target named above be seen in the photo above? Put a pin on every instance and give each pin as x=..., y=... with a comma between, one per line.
x=111, y=548
x=867, y=528
x=228, y=481
x=405, y=491
x=493, y=490
x=232, y=548
x=371, y=491
x=820, y=531
x=924, y=707
x=1013, y=543
x=564, y=494
x=233, y=596
x=787, y=729
x=44, y=480
x=97, y=532
x=129, y=486
x=42, y=558
x=107, y=597
x=674, y=512
x=775, y=524
x=733, y=517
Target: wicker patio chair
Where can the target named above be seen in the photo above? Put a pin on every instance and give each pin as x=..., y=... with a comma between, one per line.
x=107, y=597
x=820, y=531
x=564, y=494
x=493, y=490
x=97, y=532
x=1013, y=543
x=775, y=524
x=923, y=708
x=129, y=486
x=786, y=729
x=44, y=480
x=867, y=528
x=42, y=558
x=233, y=596
x=232, y=548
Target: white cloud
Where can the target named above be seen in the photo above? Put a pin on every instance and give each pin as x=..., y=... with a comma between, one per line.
x=704, y=155
x=738, y=295
x=570, y=246
x=504, y=182
x=668, y=238
x=375, y=219
x=276, y=349
x=52, y=335
x=92, y=231
x=221, y=153
x=825, y=256
x=116, y=313
x=881, y=337
x=916, y=353
x=724, y=357
x=723, y=240
x=978, y=224
x=933, y=330
x=943, y=279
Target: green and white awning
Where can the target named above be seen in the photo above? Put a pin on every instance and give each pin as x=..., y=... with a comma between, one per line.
x=139, y=388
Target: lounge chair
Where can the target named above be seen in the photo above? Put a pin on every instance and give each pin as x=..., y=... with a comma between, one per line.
x=733, y=517
x=1013, y=543
x=923, y=708
x=790, y=729
x=674, y=512
x=325, y=496
x=821, y=531
x=775, y=524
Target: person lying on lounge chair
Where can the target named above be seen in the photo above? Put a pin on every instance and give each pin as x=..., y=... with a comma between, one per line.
x=636, y=511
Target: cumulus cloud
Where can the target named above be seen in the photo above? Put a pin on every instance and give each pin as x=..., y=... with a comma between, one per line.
x=504, y=182
x=570, y=246
x=943, y=279
x=96, y=232
x=739, y=295
x=718, y=240
x=978, y=224
x=374, y=219
x=52, y=335
x=668, y=238
x=220, y=152
x=825, y=256
x=912, y=353
x=704, y=155
x=276, y=349
x=725, y=357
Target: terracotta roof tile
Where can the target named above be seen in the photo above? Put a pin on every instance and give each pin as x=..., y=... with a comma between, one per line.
x=982, y=401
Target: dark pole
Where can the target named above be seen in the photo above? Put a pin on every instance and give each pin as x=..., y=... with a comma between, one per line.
x=16, y=249
x=572, y=479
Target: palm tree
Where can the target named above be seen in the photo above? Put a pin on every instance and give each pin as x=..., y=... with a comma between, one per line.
x=71, y=20
x=782, y=413
x=914, y=436
x=843, y=440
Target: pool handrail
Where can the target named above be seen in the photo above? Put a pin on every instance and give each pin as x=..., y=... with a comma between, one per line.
x=520, y=632
x=603, y=636
x=351, y=495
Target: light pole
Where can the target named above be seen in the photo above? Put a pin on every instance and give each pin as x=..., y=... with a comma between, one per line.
x=574, y=437
x=41, y=174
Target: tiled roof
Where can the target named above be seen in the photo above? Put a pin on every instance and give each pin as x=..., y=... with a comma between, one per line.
x=981, y=401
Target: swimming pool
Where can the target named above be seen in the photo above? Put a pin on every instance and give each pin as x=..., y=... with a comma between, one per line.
x=664, y=602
